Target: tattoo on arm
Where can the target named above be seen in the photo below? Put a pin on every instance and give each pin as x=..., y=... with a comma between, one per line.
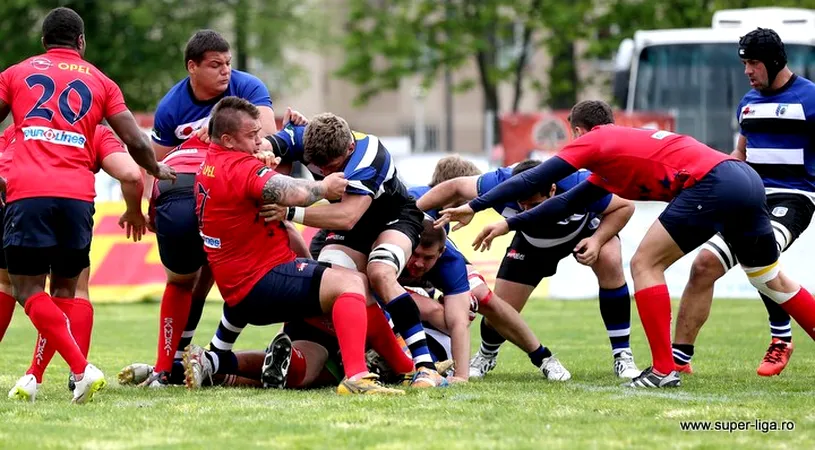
x=289, y=191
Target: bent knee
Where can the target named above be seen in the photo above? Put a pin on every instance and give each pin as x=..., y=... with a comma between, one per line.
x=706, y=267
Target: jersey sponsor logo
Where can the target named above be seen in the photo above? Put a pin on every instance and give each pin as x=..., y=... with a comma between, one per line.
x=301, y=266
x=41, y=63
x=512, y=254
x=53, y=136
x=392, y=222
x=781, y=109
x=595, y=222
x=263, y=171
x=661, y=134
x=747, y=111
x=210, y=241
x=780, y=211
x=74, y=68
x=334, y=237
x=185, y=130
x=208, y=170
x=156, y=134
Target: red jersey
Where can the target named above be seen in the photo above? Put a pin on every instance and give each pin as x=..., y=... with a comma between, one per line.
x=640, y=164
x=241, y=248
x=186, y=158
x=6, y=139
x=57, y=99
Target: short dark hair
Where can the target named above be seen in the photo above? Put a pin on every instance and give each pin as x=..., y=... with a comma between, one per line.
x=204, y=41
x=591, y=113
x=431, y=235
x=327, y=137
x=525, y=165
x=226, y=116
x=62, y=27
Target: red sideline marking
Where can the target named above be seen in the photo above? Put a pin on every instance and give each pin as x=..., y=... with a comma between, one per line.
x=108, y=225
x=125, y=264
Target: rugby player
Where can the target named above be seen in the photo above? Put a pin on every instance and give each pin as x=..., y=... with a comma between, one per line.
x=259, y=276
x=535, y=252
x=57, y=99
x=374, y=228
x=708, y=191
x=111, y=156
x=775, y=120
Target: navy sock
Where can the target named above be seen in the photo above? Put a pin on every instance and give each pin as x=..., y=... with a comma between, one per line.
x=539, y=355
x=491, y=339
x=615, y=308
x=780, y=324
x=405, y=316
x=682, y=353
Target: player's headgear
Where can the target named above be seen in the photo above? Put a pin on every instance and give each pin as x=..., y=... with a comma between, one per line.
x=763, y=44
x=62, y=26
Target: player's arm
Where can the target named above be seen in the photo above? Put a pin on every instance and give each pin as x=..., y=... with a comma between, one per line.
x=525, y=184
x=450, y=192
x=125, y=126
x=615, y=217
x=122, y=167
x=288, y=143
x=740, y=152
x=287, y=191
x=457, y=317
x=267, y=121
x=337, y=216
x=559, y=207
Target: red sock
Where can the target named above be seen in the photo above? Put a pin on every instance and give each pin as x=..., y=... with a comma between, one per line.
x=348, y=316
x=82, y=323
x=6, y=311
x=654, y=306
x=297, y=369
x=801, y=307
x=175, y=308
x=44, y=350
x=51, y=322
x=383, y=341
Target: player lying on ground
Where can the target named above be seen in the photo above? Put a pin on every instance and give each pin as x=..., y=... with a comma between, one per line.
x=775, y=118
x=111, y=157
x=590, y=234
x=50, y=186
x=436, y=264
x=375, y=226
x=261, y=279
x=709, y=192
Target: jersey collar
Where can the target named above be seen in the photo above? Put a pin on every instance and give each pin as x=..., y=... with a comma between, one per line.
x=769, y=93
x=218, y=148
x=63, y=52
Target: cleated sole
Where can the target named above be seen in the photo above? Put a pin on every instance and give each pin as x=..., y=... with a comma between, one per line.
x=276, y=363
x=18, y=393
x=96, y=386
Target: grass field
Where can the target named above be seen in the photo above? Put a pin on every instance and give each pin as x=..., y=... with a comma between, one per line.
x=512, y=408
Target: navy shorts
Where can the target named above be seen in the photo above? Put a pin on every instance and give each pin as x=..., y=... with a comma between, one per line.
x=729, y=200
x=48, y=234
x=286, y=293
x=3, y=264
x=179, y=243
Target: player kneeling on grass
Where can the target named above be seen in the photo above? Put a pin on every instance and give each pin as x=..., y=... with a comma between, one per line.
x=709, y=192
x=590, y=234
x=256, y=271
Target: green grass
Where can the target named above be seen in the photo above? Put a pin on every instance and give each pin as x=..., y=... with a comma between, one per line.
x=512, y=408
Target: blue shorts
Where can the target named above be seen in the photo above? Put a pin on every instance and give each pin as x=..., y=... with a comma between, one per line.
x=286, y=293
x=48, y=234
x=729, y=200
x=179, y=242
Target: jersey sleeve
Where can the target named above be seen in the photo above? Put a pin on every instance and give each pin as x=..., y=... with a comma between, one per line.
x=287, y=143
x=489, y=180
x=106, y=143
x=7, y=137
x=253, y=90
x=162, y=133
x=254, y=175
x=450, y=272
x=373, y=159
x=578, y=152
x=578, y=177
x=5, y=85
x=115, y=101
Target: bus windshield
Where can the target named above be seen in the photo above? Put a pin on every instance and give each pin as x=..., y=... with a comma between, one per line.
x=702, y=84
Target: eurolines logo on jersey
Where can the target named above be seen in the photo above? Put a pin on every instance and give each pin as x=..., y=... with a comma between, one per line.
x=54, y=136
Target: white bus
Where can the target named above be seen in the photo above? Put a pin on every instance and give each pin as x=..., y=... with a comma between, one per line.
x=696, y=74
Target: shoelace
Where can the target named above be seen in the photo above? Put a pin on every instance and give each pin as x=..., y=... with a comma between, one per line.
x=775, y=353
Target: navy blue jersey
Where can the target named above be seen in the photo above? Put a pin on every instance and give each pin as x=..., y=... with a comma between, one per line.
x=448, y=275
x=780, y=129
x=563, y=231
x=179, y=114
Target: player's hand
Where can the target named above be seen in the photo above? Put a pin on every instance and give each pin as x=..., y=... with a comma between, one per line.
x=462, y=214
x=164, y=172
x=334, y=185
x=587, y=251
x=268, y=158
x=294, y=117
x=202, y=134
x=484, y=239
x=273, y=212
x=134, y=224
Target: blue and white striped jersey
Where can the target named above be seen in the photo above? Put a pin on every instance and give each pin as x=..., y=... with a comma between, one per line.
x=780, y=131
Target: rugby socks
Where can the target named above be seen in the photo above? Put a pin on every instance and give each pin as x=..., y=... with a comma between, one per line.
x=53, y=325
x=780, y=323
x=654, y=306
x=383, y=341
x=539, y=355
x=175, y=308
x=226, y=334
x=297, y=369
x=491, y=339
x=615, y=308
x=81, y=317
x=802, y=308
x=682, y=353
x=406, y=322
x=196, y=309
x=348, y=315
x=43, y=351
x=6, y=312
x=223, y=362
